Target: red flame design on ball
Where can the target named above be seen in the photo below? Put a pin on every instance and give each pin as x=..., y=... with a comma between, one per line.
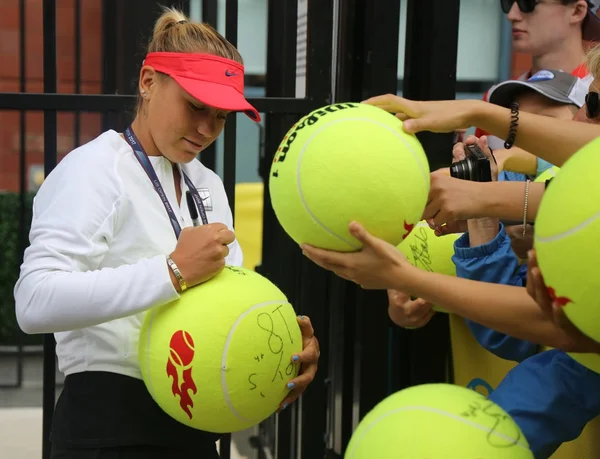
x=179, y=367
x=408, y=228
x=559, y=300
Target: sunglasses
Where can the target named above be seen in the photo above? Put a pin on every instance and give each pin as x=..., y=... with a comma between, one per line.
x=592, y=105
x=526, y=6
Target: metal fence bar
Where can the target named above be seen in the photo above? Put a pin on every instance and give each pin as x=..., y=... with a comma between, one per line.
x=273, y=439
x=229, y=140
x=210, y=12
x=434, y=78
x=344, y=311
x=50, y=158
x=316, y=283
x=229, y=157
x=77, y=72
x=112, y=102
x=373, y=70
x=110, y=14
x=22, y=236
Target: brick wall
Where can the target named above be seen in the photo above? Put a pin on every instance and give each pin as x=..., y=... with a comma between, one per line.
x=91, y=74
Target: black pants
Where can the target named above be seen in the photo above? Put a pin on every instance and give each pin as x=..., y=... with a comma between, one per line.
x=130, y=452
x=101, y=415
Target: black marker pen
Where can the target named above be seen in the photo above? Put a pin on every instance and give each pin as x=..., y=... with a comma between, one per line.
x=192, y=208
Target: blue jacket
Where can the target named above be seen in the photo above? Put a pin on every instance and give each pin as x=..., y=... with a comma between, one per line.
x=494, y=262
x=551, y=397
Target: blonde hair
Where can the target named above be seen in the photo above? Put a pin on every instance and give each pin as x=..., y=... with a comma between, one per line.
x=593, y=61
x=175, y=33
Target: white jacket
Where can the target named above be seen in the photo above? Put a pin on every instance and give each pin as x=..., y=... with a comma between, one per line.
x=97, y=260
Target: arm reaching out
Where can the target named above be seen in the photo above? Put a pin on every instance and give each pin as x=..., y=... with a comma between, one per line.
x=554, y=140
x=508, y=309
x=503, y=200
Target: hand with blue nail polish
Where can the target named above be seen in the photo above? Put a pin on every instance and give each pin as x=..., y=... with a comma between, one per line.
x=308, y=360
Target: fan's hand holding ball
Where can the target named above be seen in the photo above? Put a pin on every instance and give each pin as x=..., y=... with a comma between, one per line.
x=378, y=265
x=348, y=162
x=582, y=348
x=200, y=252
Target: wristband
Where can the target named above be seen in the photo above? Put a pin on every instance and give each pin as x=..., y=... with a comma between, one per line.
x=177, y=273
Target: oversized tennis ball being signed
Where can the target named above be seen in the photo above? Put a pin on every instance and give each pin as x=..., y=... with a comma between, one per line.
x=218, y=358
x=345, y=162
x=566, y=239
x=424, y=250
x=437, y=421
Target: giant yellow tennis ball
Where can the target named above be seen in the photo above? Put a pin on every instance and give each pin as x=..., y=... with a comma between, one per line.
x=437, y=421
x=424, y=250
x=218, y=358
x=566, y=239
x=345, y=162
x=589, y=360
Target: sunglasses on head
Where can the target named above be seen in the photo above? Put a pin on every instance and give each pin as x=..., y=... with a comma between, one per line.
x=592, y=104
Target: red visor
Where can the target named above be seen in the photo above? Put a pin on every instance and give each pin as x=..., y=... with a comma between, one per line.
x=213, y=80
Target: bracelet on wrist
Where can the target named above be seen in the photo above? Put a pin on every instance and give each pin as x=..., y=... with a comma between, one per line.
x=175, y=269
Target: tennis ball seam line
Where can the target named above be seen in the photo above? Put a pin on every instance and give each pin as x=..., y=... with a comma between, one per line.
x=436, y=411
x=569, y=232
x=307, y=143
x=226, y=350
x=299, y=184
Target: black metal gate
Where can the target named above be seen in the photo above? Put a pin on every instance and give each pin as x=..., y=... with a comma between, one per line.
x=351, y=53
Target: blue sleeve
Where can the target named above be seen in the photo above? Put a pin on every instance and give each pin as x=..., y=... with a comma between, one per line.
x=494, y=262
x=507, y=176
x=551, y=397
x=542, y=165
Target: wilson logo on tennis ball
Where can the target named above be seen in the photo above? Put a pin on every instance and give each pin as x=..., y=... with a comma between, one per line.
x=309, y=120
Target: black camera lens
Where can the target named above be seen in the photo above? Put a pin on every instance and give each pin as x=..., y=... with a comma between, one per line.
x=475, y=167
x=462, y=169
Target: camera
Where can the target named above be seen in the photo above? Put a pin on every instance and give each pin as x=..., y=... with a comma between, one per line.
x=475, y=168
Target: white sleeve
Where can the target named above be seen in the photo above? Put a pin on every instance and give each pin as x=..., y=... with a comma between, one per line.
x=60, y=287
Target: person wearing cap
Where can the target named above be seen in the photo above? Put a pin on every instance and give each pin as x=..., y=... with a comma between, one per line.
x=111, y=237
x=554, y=412
x=489, y=251
x=553, y=32
x=553, y=93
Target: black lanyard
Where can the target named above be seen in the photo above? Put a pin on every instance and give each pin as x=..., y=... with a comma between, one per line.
x=144, y=161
